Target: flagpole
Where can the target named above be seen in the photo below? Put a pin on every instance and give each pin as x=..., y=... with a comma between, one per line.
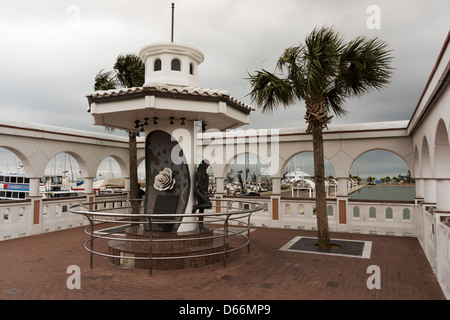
x=173, y=9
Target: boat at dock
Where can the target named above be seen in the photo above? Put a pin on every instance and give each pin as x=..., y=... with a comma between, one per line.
x=16, y=186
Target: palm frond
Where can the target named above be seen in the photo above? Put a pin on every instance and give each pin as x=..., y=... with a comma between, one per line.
x=321, y=56
x=105, y=80
x=364, y=66
x=270, y=91
x=325, y=69
x=130, y=70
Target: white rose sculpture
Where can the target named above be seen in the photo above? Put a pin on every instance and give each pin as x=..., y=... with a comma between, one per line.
x=164, y=180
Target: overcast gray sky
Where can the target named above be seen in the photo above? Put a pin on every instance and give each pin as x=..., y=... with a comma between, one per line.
x=51, y=50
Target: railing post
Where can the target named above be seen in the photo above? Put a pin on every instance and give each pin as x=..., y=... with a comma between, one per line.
x=225, y=241
x=150, y=249
x=36, y=205
x=248, y=233
x=91, y=256
x=89, y=191
x=342, y=205
x=98, y=217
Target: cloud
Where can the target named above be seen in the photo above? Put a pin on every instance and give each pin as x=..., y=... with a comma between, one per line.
x=51, y=50
x=56, y=46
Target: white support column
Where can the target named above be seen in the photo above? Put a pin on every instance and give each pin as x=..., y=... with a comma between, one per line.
x=88, y=185
x=34, y=187
x=220, y=185
x=342, y=205
x=429, y=188
x=127, y=185
x=36, y=205
x=275, y=201
x=89, y=190
x=189, y=146
x=218, y=195
x=342, y=190
x=442, y=195
x=276, y=185
x=419, y=188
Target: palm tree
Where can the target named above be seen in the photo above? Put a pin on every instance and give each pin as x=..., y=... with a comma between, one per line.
x=130, y=72
x=105, y=81
x=323, y=72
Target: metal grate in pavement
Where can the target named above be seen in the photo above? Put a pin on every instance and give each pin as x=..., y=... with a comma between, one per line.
x=348, y=248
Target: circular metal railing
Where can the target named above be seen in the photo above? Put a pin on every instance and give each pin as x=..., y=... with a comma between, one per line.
x=228, y=219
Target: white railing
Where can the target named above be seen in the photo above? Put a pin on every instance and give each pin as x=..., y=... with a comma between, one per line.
x=427, y=233
x=300, y=214
x=17, y=217
x=434, y=237
x=443, y=256
x=382, y=218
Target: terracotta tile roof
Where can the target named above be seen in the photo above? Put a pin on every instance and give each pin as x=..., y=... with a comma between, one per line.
x=162, y=88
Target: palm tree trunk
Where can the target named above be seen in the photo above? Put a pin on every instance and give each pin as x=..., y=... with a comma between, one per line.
x=319, y=180
x=134, y=185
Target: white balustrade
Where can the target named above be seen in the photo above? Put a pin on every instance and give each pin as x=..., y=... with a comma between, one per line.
x=443, y=256
x=17, y=217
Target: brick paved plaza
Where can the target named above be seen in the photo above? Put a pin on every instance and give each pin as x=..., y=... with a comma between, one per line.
x=35, y=268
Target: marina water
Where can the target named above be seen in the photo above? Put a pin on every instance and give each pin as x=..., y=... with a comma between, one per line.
x=370, y=192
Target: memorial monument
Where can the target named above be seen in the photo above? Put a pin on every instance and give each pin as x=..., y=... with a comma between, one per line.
x=171, y=109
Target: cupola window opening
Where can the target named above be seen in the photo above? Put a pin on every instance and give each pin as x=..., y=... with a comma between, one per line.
x=158, y=65
x=176, y=65
x=191, y=68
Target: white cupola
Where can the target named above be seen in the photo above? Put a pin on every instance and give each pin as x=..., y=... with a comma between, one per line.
x=171, y=63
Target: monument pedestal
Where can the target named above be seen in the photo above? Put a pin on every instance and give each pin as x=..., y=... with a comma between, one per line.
x=181, y=249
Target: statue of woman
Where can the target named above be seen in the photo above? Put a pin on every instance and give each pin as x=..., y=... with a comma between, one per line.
x=200, y=192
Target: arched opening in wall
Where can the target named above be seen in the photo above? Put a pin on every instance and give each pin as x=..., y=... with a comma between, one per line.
x=416, y=162
x=14, y=185
x=141, y=171
x=212, y=184
x=417, y=173
x=426, y=161
x=442, y=152
x=381, y=175
x=158, y=65
x=247, y=175
x=429, y=184
x=62, y=177
x=175, y=65
x=109, y=178
x=298, y=176
x=108, y=168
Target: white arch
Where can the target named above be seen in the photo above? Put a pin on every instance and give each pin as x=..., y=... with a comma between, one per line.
x=441, y=151
x=285, y=163
x=426, y=170
x=383, y=149
x=228, y=165
x=25, y=162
